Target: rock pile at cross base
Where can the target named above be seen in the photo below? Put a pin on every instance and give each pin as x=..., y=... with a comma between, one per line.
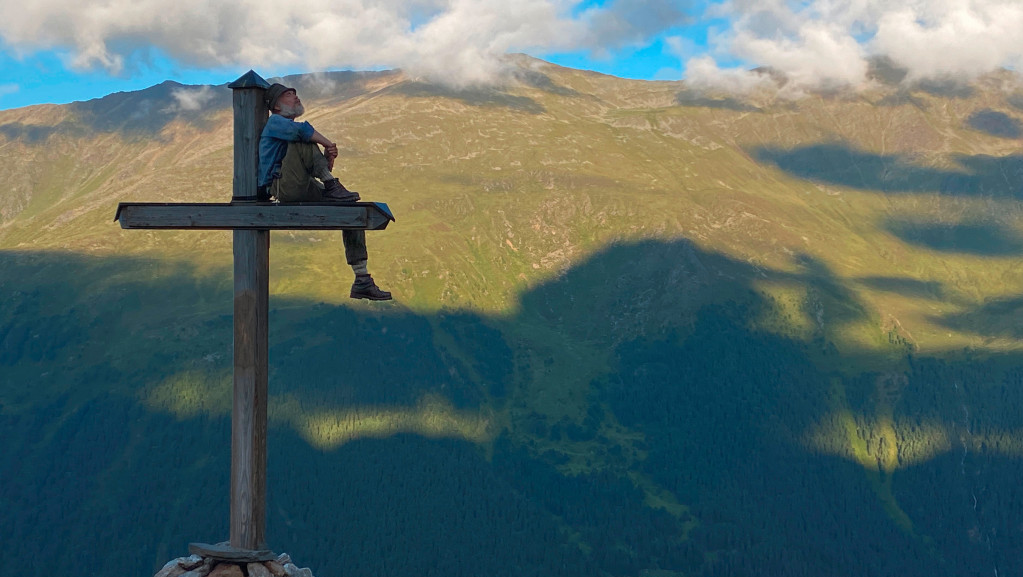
x=197, y=566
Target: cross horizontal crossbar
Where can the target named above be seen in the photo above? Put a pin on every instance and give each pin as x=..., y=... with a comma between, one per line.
x=225, y=552
x=254, y=215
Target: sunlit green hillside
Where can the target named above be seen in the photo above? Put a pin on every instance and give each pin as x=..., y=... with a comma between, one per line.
x=637, y=331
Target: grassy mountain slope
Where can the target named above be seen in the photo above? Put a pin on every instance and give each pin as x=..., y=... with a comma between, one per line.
x=638, y=331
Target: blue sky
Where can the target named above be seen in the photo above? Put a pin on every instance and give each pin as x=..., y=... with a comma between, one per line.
x=58, y=51
x=38, y=71
x=45, y=77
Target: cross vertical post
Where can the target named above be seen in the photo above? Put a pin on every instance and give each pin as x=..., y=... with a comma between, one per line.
x=251, y=311
x=251, y=216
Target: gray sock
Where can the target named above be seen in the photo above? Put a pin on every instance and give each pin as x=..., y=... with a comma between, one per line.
x=360, y=267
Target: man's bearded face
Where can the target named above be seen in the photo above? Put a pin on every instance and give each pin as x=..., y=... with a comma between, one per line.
x=291, y=111
x=289, y=105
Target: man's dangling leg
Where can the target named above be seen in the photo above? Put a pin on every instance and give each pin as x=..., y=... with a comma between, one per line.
x=355, y=253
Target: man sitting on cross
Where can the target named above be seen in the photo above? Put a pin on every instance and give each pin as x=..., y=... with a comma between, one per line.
x=293, y=169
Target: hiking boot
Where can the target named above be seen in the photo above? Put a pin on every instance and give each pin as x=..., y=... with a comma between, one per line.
x=365, y=288
x=334, y=190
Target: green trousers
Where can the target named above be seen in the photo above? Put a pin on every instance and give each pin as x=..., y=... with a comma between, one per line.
x=297, y=184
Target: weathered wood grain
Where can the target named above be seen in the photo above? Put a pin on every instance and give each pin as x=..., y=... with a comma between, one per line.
x=250, y=116
x=253, y=215
x=251, y=312
x=222, y=552
x=248, y=416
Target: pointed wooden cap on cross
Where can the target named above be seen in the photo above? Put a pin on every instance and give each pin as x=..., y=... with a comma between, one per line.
x=249, y=80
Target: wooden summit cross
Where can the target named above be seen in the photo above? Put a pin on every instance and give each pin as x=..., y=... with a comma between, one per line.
x=251, y=217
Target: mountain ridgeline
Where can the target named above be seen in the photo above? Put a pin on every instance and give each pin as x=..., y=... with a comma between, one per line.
x=639, y=330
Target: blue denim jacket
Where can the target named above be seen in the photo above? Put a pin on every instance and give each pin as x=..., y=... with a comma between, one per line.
x=273, y=144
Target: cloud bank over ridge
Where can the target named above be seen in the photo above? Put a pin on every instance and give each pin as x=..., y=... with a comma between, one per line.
x=811, y=44
x=457, y=41
x=830, y=44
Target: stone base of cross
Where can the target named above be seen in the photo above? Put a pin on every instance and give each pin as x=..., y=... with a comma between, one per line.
x=251, y=218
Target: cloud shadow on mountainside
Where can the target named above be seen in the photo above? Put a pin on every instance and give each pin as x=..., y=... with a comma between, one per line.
x=996, y=123
x=717, y=410
x=700, y=99
x=142, y=113
x=840, y=164
x=541, y=81
x=336, y=85
x=945, y=87
x=981, y=239
x=994, y=318
x=147, y=112
x=32, y=133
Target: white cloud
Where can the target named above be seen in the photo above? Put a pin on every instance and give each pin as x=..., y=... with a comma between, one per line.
x=6, y=89
x=457, y=40
x=703, y=73
x=814, y=44
x=822, y=44
x=192, y=99
x=960, y=39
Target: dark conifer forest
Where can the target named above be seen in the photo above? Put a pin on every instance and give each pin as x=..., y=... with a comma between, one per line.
x=737, y=459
